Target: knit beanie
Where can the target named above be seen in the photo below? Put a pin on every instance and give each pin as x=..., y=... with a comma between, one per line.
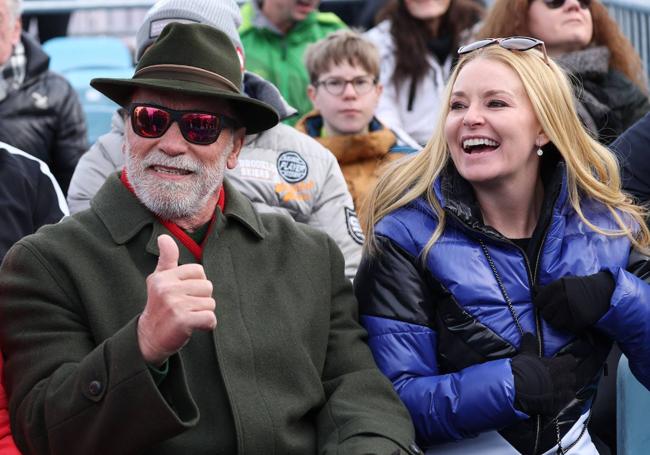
x=223, y=15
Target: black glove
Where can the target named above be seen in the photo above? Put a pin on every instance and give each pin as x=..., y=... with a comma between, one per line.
x=590, y=350
x=542, y=386
x=575, y=303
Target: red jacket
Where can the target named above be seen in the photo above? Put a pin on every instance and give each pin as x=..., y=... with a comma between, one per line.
x=7, y=446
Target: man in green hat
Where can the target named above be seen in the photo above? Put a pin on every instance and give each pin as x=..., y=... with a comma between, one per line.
x=171, y=317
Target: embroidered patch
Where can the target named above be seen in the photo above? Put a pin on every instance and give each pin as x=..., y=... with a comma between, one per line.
x=40, y=101
x=292, y=167
x=354, y=227
x=155, y=27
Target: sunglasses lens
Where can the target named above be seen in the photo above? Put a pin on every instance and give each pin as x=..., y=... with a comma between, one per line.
x=519, y=43
x=476, y=45
x=553, y=4
x=150, y=121
x=201, y=128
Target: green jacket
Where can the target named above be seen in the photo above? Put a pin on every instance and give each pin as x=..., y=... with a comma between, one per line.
x=288, y=347
x=279, y=58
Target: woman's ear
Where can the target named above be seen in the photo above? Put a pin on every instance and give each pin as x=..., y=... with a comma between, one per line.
x=542, y=139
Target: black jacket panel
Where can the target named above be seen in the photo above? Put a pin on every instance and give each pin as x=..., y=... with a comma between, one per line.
x=44, y=117
x=29, y=197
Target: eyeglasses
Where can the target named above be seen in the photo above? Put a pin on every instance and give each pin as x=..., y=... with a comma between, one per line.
x=336, y=85
x=554, y=4
x=512, y=43
x=201, y=128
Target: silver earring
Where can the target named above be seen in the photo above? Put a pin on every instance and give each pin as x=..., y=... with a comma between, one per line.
x=540, y=152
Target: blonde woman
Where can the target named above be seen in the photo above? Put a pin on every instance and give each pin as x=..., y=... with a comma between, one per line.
x=494, y=277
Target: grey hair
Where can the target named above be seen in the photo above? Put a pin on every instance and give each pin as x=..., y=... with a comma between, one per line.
x=14, y=7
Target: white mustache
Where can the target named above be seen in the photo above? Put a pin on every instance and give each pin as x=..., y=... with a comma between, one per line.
x=158, y=158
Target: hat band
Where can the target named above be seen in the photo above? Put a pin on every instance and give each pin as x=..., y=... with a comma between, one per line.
x=188, y=74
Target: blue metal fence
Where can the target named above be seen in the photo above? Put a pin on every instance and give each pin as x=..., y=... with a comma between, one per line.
x=633, y=16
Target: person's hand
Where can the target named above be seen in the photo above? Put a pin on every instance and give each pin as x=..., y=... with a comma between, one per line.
x=590, y=350
x=542, y=385
x=575, y=303
x=179, y=301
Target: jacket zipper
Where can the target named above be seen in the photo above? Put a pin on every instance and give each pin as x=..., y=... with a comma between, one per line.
x=532, y=277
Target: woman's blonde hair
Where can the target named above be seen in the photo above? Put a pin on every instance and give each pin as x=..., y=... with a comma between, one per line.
x=591, y=168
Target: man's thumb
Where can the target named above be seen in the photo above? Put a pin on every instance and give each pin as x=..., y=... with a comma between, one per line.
x=168, y=258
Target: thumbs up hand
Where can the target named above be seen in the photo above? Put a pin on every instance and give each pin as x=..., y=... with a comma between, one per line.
x=168, y=258
x=179, y=301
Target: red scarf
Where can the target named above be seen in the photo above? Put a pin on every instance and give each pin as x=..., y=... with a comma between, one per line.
x=181, y=236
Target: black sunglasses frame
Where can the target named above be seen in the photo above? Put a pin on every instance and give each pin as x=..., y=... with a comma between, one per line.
x=177, y=116
x=511, y=43
x=555, y=4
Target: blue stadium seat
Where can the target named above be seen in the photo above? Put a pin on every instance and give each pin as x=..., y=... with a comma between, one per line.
x=632, y=408
x=82, y=58
x=68, y=53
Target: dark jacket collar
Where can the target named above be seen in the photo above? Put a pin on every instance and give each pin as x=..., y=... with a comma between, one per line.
x=457, y=196
x=124, y=215
x=37, y=60
x=260, y=89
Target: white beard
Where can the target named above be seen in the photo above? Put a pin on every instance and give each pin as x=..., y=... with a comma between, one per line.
x=171, y=200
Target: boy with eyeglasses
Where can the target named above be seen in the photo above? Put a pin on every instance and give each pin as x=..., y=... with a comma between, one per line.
x=344, y=72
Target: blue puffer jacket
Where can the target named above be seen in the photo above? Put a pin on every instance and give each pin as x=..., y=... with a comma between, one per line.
x=443, y=333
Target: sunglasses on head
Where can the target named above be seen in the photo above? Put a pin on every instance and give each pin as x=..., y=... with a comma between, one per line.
x=554, y=4
x=201, y=128
x=512, y=43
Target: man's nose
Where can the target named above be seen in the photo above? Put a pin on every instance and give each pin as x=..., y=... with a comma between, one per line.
x=172, y=142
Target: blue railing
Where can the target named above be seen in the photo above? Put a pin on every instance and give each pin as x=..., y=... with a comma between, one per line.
x=633, y=16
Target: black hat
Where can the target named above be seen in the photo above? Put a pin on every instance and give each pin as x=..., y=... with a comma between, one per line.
x=193, y=59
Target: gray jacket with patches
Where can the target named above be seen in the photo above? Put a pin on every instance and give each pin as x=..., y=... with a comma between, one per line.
x=280, y=170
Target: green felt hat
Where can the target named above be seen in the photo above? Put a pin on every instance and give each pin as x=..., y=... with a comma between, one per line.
x=193, y=59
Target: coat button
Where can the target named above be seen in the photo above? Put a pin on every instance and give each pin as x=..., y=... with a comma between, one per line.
x=95, y=388
x=414, y=449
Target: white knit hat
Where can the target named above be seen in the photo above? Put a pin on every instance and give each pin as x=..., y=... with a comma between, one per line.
x=223, y=15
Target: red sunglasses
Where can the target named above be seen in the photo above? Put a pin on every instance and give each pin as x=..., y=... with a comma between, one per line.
x=554, y=4
x=201, y=128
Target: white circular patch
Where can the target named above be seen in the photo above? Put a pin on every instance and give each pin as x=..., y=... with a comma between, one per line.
x=292, y=167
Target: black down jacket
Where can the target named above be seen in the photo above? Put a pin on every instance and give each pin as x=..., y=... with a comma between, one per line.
x=44, y=117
